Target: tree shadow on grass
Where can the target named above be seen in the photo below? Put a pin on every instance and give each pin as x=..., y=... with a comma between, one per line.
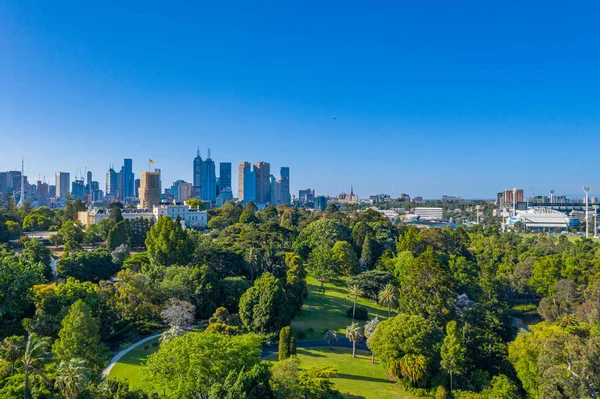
x=361, y=378
x=350, y=396
x=304, y=352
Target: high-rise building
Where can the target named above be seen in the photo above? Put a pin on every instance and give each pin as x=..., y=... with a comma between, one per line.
x=197, y=181
x=184, y=191
x=246, y=182
x=136, y=189
x=307, y=195
x=112, y=185
x=77, y=188
x=263, y=182
x=63, y=181
x=128, y=179
x=149, y=189
x=321, y=203
x=511, y=196
x=209, y=180
x=42, y=189
x=280, y=188
x=224, y=176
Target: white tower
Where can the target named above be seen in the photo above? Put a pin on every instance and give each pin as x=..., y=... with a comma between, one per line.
x=551, y=196
x=22, y=199
x=587, y=210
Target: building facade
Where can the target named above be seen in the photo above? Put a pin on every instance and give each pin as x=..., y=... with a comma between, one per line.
x=149, y=189
x=197, y=181
x=262, y=172
x=224, y=176
x=209, y=180
x=63, y=181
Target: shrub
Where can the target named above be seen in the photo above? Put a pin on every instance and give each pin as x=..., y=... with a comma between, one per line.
x=361, y=313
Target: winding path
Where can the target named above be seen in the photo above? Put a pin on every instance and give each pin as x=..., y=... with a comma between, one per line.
x=122, y=353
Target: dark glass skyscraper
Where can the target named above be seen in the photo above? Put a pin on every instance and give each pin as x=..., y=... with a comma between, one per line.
x=224, y=176
x=197, y=181
x=209, y=180
x=128, y=179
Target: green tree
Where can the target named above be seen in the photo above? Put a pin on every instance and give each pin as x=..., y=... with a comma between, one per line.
x=354, y=333
x=501, y=388
x=11, y=350
x=287, y=343
x=195, y=203
x=93, y=266
x=16, y=281
x=388, y=296
x=79, y=337
x=345, y=257
x=406, y=344
x=322, y=265
x=168, y=244
x=34, y=356
x=546, y=273
x=212, y=357
x=35, y=222
x=321, y=232
x=355, y=291
x=118, y=235
x=453, y=351
x=367, y=258
x=249, y=384
x=72, y=378
x=426, y=289
x=295, y=283
x=14, y=229
x=264, y=307
x=331, y=337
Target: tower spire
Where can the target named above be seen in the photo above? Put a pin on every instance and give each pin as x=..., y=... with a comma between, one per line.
x=209, y=152
x=198, y=151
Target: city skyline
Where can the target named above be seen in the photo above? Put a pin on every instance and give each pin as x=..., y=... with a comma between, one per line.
x=447, y=100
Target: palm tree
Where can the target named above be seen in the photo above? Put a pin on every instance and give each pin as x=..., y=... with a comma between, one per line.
x=72, y=378
x=36, y=352
x=11, y=350
x=388, y=296
x=369, y=330
x=355, y=291
x=251, y=259
x=354, y=333
x=331, y=336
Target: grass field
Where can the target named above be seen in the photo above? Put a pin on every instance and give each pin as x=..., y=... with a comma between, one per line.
x=329, y=312
x=357, y=378
x=130, y=367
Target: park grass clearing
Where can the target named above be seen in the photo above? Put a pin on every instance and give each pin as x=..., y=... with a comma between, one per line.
x=357, y=378
x=131, y=368
x=328, y=312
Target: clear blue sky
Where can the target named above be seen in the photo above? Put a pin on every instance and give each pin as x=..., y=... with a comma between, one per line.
x=459, y=98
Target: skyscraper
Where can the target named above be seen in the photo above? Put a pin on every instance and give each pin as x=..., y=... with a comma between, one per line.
x=263, y=182
x=149, y=189
x=246, y=182
x=77, y=188
x=63, y=181
x=225, y=176
x=197, y=181
x=209, y=180
x=280, y=188
x=128, y=179
x=112, y=182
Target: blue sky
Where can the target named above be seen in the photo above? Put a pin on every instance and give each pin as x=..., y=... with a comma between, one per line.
x=461, y=98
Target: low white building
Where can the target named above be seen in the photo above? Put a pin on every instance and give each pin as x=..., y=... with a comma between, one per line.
x=429, y=213
x=539, y=218
x=193, y=218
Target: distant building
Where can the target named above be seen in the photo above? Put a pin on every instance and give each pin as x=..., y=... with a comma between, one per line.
x=426, y=213
x=262, y=171
x=280, y=188
x=224, y=177
x=209, y=180
x=184, y=191
x=149, y=189
x=128, y=179
x=539, y=218
x=246, y=183
x=77, y=189
x=136, y=189
x=112, y=183
x=306, y=195
x=511, y=196
x=451, y=199
x=63, y=181
x=197, y=176
x=321, y=203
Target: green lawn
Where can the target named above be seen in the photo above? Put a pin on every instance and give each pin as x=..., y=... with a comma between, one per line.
x=357, y=378
x=329, y=312
x=130, y=367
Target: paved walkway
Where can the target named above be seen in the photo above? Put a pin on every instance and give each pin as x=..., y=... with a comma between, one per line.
x=122, y=353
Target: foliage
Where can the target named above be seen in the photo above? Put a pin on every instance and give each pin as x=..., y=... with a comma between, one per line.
x=264, y=307
x=453, y=351
x=92, y=266
x=318, y=233
x=178, y=313
x=168, y=244
x=371, y=282
x=79, y=337
x=358, y=313
x=287, y=343
x=212, y=357
x=72, y=378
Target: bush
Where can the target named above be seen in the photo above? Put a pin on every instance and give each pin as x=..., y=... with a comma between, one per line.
x=361, y=313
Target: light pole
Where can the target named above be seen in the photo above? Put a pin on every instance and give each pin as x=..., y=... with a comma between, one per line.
x=587, y=210
x=595, y=208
